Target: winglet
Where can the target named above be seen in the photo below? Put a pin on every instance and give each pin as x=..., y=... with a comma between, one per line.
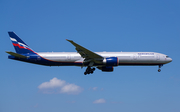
x=69, y=40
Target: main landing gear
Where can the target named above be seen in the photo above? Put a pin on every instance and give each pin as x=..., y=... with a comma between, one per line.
x=159, y=70
x=89, y=70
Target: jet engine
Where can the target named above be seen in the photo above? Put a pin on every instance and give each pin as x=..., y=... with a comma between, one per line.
x=111, y=61
x=106, y=68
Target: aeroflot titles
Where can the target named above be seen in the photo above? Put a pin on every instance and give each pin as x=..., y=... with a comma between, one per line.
x=145, y=53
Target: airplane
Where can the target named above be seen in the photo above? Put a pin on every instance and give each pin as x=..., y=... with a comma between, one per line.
x=105, y=61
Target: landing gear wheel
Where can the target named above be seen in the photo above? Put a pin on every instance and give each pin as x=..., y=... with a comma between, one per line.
x=159, y=70
x=89, y=70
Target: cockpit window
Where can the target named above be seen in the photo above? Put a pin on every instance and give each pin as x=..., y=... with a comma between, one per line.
x=167, y=56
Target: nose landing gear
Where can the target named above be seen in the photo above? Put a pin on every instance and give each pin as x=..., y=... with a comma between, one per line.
x=159, y=70
x=89, y=70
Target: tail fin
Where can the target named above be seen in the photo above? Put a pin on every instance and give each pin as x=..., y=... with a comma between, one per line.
x=20, y=46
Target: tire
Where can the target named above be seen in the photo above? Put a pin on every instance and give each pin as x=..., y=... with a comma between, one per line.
x=159, y=70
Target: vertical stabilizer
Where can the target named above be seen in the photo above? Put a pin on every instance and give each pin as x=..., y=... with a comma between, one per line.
x=20, y=46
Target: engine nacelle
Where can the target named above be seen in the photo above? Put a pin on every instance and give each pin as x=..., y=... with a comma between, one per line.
x=111, y=61
x=106, y=68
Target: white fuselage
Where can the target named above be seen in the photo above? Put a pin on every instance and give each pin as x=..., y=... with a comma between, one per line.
x=125, y=58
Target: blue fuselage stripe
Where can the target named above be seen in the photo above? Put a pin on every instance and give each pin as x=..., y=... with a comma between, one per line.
x=41, y=61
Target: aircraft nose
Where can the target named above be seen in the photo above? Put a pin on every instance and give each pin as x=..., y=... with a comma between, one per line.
x=169, y=59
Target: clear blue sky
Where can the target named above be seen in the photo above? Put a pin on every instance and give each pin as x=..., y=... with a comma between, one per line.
x=126, y=25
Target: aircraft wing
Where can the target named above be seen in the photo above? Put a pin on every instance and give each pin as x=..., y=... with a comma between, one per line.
x=85, y=53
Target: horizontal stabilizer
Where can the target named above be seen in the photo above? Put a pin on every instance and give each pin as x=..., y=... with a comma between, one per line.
x=16, y=54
